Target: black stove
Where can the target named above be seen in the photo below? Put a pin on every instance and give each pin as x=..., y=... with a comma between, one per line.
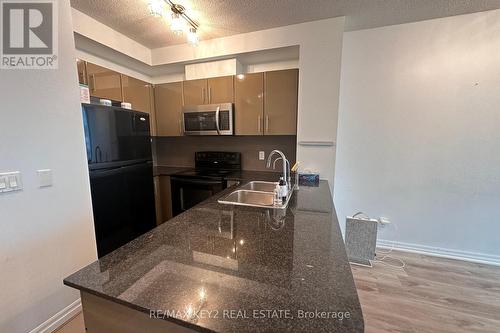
x=214, y=164
x=193, y=186
x=204, y=173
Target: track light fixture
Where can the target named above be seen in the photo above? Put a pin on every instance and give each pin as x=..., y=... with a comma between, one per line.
x=192, y=36
x=179, y=18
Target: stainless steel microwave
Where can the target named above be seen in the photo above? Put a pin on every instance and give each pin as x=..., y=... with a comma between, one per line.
x=211, y=119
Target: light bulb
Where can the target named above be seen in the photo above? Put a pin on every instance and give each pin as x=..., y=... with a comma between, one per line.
x=177, y=24
x=192, y=36
x=156, y=7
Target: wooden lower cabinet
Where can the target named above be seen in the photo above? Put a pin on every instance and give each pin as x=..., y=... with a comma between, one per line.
x=249, y=104
x=102, y=315
x=159, y=218
x=165, y=198
x=168, y=107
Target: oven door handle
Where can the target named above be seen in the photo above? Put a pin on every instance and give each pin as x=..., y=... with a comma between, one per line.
x=217, y=113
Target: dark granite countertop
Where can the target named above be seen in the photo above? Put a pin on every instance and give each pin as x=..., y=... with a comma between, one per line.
x=164, y=170
x=261, y=271
x=246, y=175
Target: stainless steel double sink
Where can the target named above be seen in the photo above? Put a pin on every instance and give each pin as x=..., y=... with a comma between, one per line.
x=255, y=194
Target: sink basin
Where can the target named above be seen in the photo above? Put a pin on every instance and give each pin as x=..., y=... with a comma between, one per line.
x=249, y=198
x=260, y=186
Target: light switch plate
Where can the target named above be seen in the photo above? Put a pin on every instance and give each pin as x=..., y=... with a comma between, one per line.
x=262, y=155
x=10, y=181
x=44, y=177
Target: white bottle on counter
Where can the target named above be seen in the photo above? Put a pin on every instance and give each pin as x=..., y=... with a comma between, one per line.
x=283, y=189
x=277, y=195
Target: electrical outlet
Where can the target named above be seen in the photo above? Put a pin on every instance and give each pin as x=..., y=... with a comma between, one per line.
x=44, y=177
x=262, y=155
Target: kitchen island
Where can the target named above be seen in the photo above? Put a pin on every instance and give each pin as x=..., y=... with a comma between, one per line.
x=219, y=268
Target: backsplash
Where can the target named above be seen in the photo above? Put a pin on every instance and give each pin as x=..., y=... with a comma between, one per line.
x=179, y=151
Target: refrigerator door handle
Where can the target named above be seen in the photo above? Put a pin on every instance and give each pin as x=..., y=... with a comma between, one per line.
x=181, y=190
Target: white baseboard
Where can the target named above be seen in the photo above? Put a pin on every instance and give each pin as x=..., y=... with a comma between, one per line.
x=441, y=252
x=59, y=318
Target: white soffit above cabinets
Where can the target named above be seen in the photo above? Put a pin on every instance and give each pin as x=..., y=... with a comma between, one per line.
x=210, y=69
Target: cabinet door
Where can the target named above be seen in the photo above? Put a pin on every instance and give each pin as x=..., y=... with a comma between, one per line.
x=82, y=71
x=158, y=202
x=104, y=83
x=165, y=198
x=137, y=93
x=168, y=106
x=249, y=106
x=220, y=90
x=280, y=102
x=195, y=92
x=152, y=114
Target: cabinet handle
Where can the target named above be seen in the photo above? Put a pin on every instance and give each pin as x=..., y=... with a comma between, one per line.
x=209, y=95
x=267, y=124
x=92, y=80
x=259, y=124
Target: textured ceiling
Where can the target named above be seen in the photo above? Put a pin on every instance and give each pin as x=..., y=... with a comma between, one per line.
x=220, y=18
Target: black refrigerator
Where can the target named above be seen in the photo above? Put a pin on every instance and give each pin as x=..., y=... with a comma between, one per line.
x=118, y=143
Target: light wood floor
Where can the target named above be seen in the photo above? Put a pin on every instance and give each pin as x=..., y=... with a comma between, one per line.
x=430, y=295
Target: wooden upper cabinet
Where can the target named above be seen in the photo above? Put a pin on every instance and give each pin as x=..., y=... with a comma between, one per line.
x=195, y=92
x=220, y=90
x=104, y=83
x=280, y=102
x=140, y=94
x=137, y=93
x=249, y=105
x=209, y=91
x=168, y=106
x=82, y=71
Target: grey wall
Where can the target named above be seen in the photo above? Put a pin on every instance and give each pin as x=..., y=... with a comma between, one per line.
x=419, y=135
x=179, y=151
x=46, y=233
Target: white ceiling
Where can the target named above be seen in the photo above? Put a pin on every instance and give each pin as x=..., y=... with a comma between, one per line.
x=219, y=18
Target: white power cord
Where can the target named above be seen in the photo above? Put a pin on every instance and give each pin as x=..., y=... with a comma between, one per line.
x=384, y=259
x=385, y=254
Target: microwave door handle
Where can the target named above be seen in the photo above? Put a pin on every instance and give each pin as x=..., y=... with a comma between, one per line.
x=217, y=120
